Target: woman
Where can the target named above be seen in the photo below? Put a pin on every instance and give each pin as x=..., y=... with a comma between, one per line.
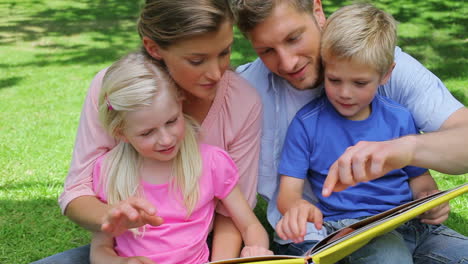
x=193, y=39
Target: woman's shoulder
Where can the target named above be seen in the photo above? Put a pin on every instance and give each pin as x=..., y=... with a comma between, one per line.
x=239, y=89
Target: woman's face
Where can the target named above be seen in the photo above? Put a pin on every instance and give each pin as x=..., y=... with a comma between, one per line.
x=197, y=64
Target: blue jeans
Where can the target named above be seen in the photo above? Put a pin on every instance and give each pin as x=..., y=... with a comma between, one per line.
x=79, y=255
x=413, y=242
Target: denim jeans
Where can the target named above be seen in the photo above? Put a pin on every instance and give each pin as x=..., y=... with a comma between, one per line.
x=79, y=255
x=413, y=242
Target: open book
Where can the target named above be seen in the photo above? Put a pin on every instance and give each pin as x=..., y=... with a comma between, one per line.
x=349, y=239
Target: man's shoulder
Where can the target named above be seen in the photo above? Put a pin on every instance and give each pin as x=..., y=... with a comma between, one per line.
x=256, y=73
x=312, y=108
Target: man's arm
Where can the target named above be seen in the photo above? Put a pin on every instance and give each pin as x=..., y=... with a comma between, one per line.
x=443, y=150
x=422, y=186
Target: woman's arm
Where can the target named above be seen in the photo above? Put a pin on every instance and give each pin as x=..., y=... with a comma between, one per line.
x=102, y=252
x=253, y=233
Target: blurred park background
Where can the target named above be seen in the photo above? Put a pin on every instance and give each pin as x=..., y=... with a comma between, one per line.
x=50, y=51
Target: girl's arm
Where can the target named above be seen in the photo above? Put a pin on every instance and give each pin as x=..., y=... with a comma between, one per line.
x=253, y=233
x=422, y=186
x=102, y=252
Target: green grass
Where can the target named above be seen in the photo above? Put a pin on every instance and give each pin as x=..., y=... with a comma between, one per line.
x=49, y=52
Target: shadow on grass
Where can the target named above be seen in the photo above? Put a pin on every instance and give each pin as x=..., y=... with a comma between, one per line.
x=110, y=23
x=9, y=82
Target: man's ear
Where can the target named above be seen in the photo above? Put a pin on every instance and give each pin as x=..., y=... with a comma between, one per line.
x=387, y=75
x=152, y=48
x=318, y=13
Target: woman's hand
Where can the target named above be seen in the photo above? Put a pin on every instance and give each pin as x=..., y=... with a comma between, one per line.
x=131, y=213
x=251, y=251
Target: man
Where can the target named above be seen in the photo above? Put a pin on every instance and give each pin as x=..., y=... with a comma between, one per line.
x=286, y=36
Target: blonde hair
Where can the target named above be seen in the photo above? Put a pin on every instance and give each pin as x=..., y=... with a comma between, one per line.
x=129, y=85
x=249, y=13
x=362, y=33
x=168, y=21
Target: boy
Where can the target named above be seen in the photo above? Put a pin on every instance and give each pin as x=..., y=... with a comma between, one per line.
x=357, y=52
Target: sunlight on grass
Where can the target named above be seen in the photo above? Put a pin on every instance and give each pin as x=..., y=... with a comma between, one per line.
x=50, y=51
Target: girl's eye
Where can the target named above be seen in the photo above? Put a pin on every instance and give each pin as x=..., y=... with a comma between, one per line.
x=147, y=133
x=172, y=121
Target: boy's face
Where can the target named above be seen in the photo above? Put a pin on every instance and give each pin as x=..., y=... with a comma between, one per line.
x=351, y=87
x=288, y=43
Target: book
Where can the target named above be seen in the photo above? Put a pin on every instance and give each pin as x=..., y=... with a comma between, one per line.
x=345, y=241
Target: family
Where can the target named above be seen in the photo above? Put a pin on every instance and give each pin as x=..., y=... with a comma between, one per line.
x=325, y=125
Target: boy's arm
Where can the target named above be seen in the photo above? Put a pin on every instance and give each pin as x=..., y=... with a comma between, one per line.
x=253, y=233
x=295, y=210
x=422, y=186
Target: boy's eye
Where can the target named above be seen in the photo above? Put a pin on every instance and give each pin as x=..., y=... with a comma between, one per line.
x=360, y=84
x=333, y=80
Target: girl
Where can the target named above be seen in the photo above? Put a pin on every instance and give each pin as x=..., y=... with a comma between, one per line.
x=192, y=39
x=158, y=158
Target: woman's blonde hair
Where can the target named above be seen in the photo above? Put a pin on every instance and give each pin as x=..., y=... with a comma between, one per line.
x=168, y=21
x=363, y=33
x=129, y=85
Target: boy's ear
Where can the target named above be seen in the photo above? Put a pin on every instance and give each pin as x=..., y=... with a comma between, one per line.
x=387, y=75
x=152, y=48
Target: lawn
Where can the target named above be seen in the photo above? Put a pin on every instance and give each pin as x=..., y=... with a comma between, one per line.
x=49, y=52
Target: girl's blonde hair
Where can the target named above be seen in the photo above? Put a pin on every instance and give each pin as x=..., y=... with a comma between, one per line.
x=129, y=85
x=363, y=33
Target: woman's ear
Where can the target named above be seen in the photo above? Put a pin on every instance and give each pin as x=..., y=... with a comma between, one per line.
x=387, y=75
x=153, y=49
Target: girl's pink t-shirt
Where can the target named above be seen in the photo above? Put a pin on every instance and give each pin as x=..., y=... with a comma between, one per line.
x=178, y=240
x=233, y=123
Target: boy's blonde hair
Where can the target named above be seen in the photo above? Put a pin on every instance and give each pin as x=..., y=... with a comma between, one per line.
x=362, y=33
x=129, y=85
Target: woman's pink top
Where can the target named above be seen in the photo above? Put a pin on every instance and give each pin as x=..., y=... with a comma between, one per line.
x=233, y=123
x=179, y=239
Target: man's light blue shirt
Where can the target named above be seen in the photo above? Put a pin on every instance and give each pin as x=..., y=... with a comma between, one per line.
x=411, y=85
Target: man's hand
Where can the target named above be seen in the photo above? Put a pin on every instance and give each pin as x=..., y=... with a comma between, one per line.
x=131, y=213
x=436, y=215
x=293, y=225
x=367, y=161
x=252, y=251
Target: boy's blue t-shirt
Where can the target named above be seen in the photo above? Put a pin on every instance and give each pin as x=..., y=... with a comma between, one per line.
x=317, y=137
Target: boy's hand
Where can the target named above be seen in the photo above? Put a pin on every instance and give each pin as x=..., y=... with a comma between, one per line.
x=136, y=260
x=436, y=215
x=131, y=213
x=293, y=224
x=251, y=251
x=367, y=161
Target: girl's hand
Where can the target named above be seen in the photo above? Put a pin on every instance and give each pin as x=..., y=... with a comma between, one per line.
x=436, y=215
x=131, y=213
x=136, y=260
x=251, y=251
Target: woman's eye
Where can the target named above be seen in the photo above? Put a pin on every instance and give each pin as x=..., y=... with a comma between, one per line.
x=196, y=62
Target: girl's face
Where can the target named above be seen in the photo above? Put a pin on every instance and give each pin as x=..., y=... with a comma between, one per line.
x=156, y=131
x=197, y=64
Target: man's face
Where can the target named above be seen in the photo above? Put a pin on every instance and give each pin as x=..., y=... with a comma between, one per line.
x=288, y=43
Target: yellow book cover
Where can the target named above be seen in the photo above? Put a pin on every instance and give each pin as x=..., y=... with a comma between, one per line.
x=349, y=239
